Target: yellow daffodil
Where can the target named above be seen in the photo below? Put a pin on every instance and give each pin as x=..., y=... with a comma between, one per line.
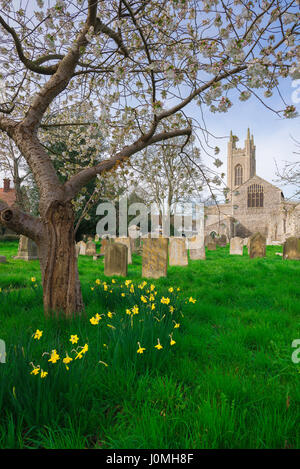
x=143, y=299
x=98, y=281
x=128, y=311
x=94, y=321
x=135, y=309
x=113, y=281
x=36, y=369
x=152, y=287
x=98, y=316
x=172, y=341
x=43, y=374
x=105, y=287
x=92, y=288
x=178, y=289
x=176, y=325
x=33, y=279
x=158, y=346
x=131, y=288
x=165, y=301
x=151, y=297
x=38, y=334
x=67, y=360
x=54, y=357
x=171, y=289
x=128, y=282
x=192, y=300
x=152, y=306
x=171, y=308
x=122, y=294
x=109, y=314
x=74, y=339
x=140, y=349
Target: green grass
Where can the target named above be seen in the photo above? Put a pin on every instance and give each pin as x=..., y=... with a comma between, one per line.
x=228, y=382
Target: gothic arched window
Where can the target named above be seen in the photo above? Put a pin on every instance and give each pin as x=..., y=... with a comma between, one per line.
x=255, y=195
x=238, y=175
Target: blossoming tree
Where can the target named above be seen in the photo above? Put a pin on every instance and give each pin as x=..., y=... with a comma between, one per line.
x=140, y=62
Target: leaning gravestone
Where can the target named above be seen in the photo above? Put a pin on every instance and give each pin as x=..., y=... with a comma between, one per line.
x=178, y=252
x=236, y=246
x=126, y=242
x=155, y=257
x=90, y=248
x=27, y=250
x=115, y=260
x=257, y=245
x=291, y=248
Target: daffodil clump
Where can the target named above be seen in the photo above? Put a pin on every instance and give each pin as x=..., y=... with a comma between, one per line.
x=134, y=320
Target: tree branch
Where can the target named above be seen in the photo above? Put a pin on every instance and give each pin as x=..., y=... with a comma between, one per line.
x=20, y=222
x=79, y=180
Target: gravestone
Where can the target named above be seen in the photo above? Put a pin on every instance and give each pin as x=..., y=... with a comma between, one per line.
x=236, y=246
x=104, y=243
x=178, y=252
x=257, y=245
x=82, y=248
x=155, y=257
x=291, y=248
x=3, y=260
x=126, y=242
x=222, y=241
x=27, y=250
x=90, y=248
x=115, y=259
x=196, y=248
x=135, y=240
x=211, y=245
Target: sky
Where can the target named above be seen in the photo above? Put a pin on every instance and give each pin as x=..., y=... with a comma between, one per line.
x=272, y=135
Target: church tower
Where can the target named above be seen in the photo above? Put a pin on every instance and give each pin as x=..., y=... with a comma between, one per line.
x=241, y=162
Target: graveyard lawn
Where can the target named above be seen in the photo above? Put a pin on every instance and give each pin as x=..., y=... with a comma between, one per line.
x=223, y=378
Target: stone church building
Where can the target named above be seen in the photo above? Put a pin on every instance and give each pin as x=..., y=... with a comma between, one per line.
x=253, y=204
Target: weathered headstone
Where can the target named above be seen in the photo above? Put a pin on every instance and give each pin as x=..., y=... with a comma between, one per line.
x=211, y=245
x=197, y=248
x=82, y=248
x=178, y=252
x=27, y=250
x=104, y=243
x=115, y=259
x=291, y=248
x=257, y=245
x=222, y=241
x=155, y=257
x=3, y=260
x=236, y=246
x=90, y=248
x=126, y=242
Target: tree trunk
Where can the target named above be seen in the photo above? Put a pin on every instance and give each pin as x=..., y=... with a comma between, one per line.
x=62, y=292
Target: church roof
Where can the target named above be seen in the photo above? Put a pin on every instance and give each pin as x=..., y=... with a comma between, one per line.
x=254, y=178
